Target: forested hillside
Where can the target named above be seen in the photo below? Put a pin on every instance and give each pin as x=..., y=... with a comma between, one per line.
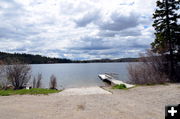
x=38, y=59
x=31, y=59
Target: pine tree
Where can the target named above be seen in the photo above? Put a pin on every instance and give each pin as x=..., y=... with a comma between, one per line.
x=167, y=29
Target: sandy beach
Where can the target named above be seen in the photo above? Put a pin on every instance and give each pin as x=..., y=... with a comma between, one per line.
x=143, y=102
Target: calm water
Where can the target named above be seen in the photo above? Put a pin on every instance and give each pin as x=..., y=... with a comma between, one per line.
x=79, y=75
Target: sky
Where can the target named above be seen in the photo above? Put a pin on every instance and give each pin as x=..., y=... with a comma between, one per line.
x=77, y=29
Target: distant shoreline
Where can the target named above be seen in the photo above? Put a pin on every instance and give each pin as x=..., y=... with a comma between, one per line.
x=87, y=63
x=38, y=59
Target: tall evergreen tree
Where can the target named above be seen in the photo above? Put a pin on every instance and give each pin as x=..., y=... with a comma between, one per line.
x=167, y=29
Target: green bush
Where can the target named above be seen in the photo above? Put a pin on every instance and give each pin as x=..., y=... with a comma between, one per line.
x=121, y=86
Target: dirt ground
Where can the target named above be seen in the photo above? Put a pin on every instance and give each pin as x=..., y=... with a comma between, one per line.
x=144, y=102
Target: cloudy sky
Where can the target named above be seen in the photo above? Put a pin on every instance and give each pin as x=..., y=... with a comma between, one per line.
x=77, y=29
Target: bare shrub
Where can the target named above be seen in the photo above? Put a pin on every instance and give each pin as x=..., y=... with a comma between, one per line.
x=18, y=74
x=38, y=82
x=3, y=80
x=53, y=82
x=150, y=69
x=5, y=84
x=34, y=83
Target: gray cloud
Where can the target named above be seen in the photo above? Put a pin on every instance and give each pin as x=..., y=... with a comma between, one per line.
x=91, y=43
x=100, y=47
x=16, y=32
x=47, y=28
x=11, y=25
x=120, y=22
x=87, y=19
x=10, y=8
x=129, y=32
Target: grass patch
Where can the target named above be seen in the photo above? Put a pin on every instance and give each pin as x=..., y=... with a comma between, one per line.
x=121, y=86
x=33, y=91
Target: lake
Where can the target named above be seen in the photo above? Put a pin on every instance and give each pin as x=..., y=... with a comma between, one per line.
x=79, y=74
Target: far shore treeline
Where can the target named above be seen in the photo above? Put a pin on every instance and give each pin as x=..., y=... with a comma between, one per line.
x=38, y=59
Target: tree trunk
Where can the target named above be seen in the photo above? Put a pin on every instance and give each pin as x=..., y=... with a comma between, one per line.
x=168, y=35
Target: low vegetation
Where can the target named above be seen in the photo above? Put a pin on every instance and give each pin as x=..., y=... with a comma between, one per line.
x=53, y=82
x=34, y=82
x=18, y=75
x=151, y=70
x=39, y=81
x=15, y=78
x=121, y=86
x=33, y=91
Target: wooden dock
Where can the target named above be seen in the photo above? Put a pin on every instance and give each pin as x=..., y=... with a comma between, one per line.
x=110, y=79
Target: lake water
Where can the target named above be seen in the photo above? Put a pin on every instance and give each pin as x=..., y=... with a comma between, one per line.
x=79, y=75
